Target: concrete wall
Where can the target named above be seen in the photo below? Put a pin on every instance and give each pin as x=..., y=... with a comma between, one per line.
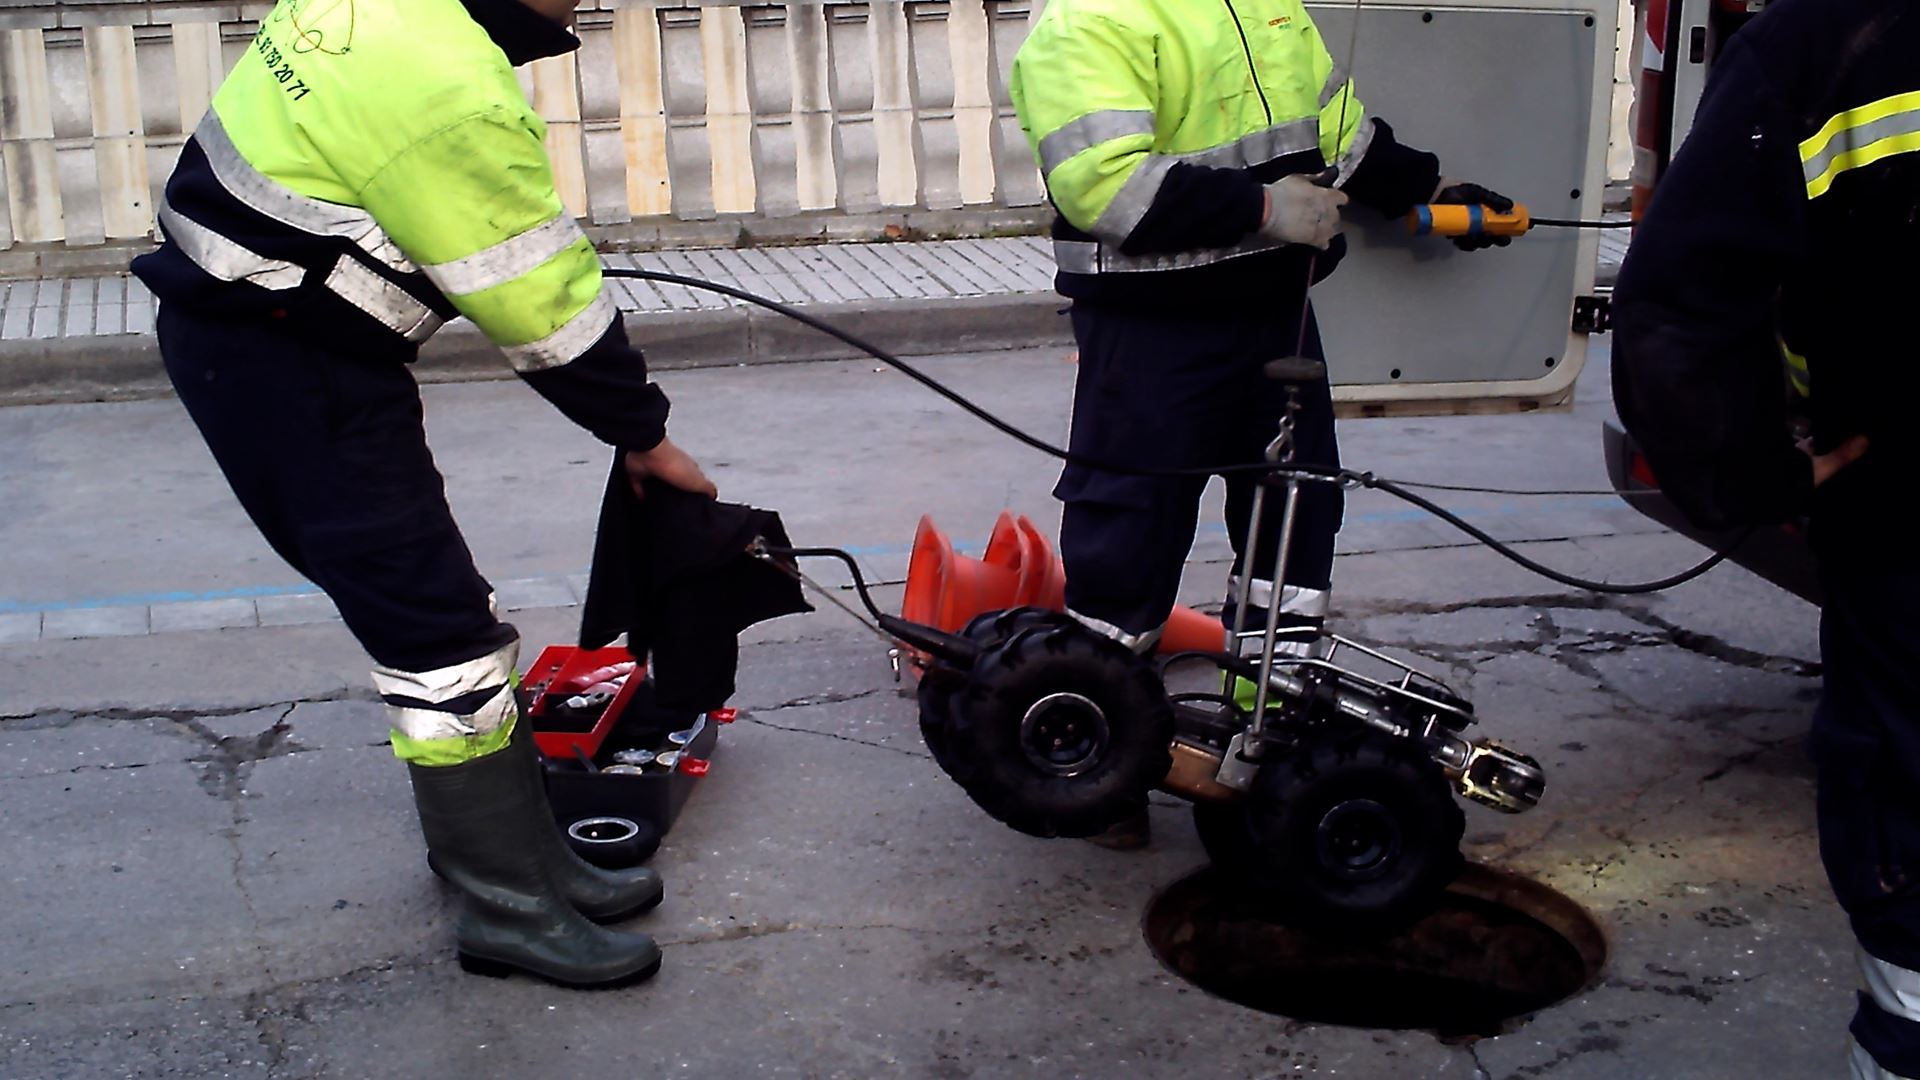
x=678, y=122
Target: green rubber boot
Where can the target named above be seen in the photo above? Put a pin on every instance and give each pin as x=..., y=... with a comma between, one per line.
x=601, y=895
x=605, y=896
x=487, y=834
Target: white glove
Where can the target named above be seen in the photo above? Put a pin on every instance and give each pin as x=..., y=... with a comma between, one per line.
x=1300, y=211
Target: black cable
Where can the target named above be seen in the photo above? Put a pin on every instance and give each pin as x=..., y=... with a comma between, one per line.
x=1569, y=223
x=939, y=387
x=1343, y=476
x=1476, y=489
x=1637, y=589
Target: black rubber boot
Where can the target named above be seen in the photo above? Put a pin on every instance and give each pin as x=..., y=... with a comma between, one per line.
x=605, y=896
x=486, y=834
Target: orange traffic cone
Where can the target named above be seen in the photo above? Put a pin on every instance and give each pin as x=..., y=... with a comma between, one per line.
x=1018, y=569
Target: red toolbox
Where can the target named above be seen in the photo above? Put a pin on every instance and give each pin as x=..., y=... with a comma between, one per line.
x=555, y=675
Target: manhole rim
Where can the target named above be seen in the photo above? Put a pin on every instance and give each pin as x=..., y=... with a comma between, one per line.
x=1564, y=916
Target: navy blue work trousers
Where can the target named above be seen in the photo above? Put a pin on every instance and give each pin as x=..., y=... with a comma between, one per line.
x=1163, y=391
x=327, y=452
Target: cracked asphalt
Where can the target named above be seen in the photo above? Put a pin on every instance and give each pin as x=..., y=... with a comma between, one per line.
x=211, y=867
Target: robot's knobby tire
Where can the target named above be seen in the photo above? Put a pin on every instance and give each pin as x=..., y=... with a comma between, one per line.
x=1059, y=732
x=1345, y=832
x=940, y=683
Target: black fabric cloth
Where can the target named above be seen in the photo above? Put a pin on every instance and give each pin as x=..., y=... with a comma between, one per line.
x=522, y=33
x=1161, y=391
x=1865, y=745
x=671, y=571
x=1199, y=207
x=326, y=452
x=1733, y=257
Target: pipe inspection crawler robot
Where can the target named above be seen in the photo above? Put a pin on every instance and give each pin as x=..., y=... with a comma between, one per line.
x=1330, y=792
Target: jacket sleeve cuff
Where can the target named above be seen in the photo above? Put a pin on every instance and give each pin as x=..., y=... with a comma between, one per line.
x=1392, y=177
x=605, y=390
x=1198, y=207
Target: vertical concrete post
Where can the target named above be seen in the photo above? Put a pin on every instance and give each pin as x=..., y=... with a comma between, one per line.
x=643, y=110
x=119, y=135
x=723, y=48
x=894, y=118
x=26, y=139
x=969, y=43
x=810, y=58
x=556, y=97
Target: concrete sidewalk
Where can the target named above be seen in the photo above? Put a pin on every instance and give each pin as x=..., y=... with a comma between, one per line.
x=84, y=339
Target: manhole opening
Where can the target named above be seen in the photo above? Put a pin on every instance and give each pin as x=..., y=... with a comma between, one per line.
x=1495, y=950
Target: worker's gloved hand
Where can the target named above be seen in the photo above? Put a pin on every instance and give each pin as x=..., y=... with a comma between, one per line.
x=668, y=464
x=1300, y=211
x=1454, y=193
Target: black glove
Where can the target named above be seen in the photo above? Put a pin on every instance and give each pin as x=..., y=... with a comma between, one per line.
x=1468, y=195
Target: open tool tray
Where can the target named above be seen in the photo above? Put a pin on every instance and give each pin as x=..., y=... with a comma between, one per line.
x=575, y=759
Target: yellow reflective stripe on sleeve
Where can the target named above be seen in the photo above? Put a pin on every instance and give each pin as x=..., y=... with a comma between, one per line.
x=223, y=258
x=566, y=344
x=508, y=259
x=1797, y=370
x=1861, y=136
x=389, y=304
x=1083, y=134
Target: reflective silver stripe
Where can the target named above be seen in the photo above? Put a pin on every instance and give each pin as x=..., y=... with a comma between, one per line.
x=1362, y=139
x=288, y=207
x=1822, y=160
x=1292, y=137
x=1139, y=643
x=452, y=681
x=508, y=259
x=1087, y=257
x=1135, y=198
x=565, y=345
x=1294, y=600
x=391, y=305
x=1861, y=1066
x=1089, y=131
x=1894, y=988
x=224, y=258
x=417, y=723
x=1336, y=81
